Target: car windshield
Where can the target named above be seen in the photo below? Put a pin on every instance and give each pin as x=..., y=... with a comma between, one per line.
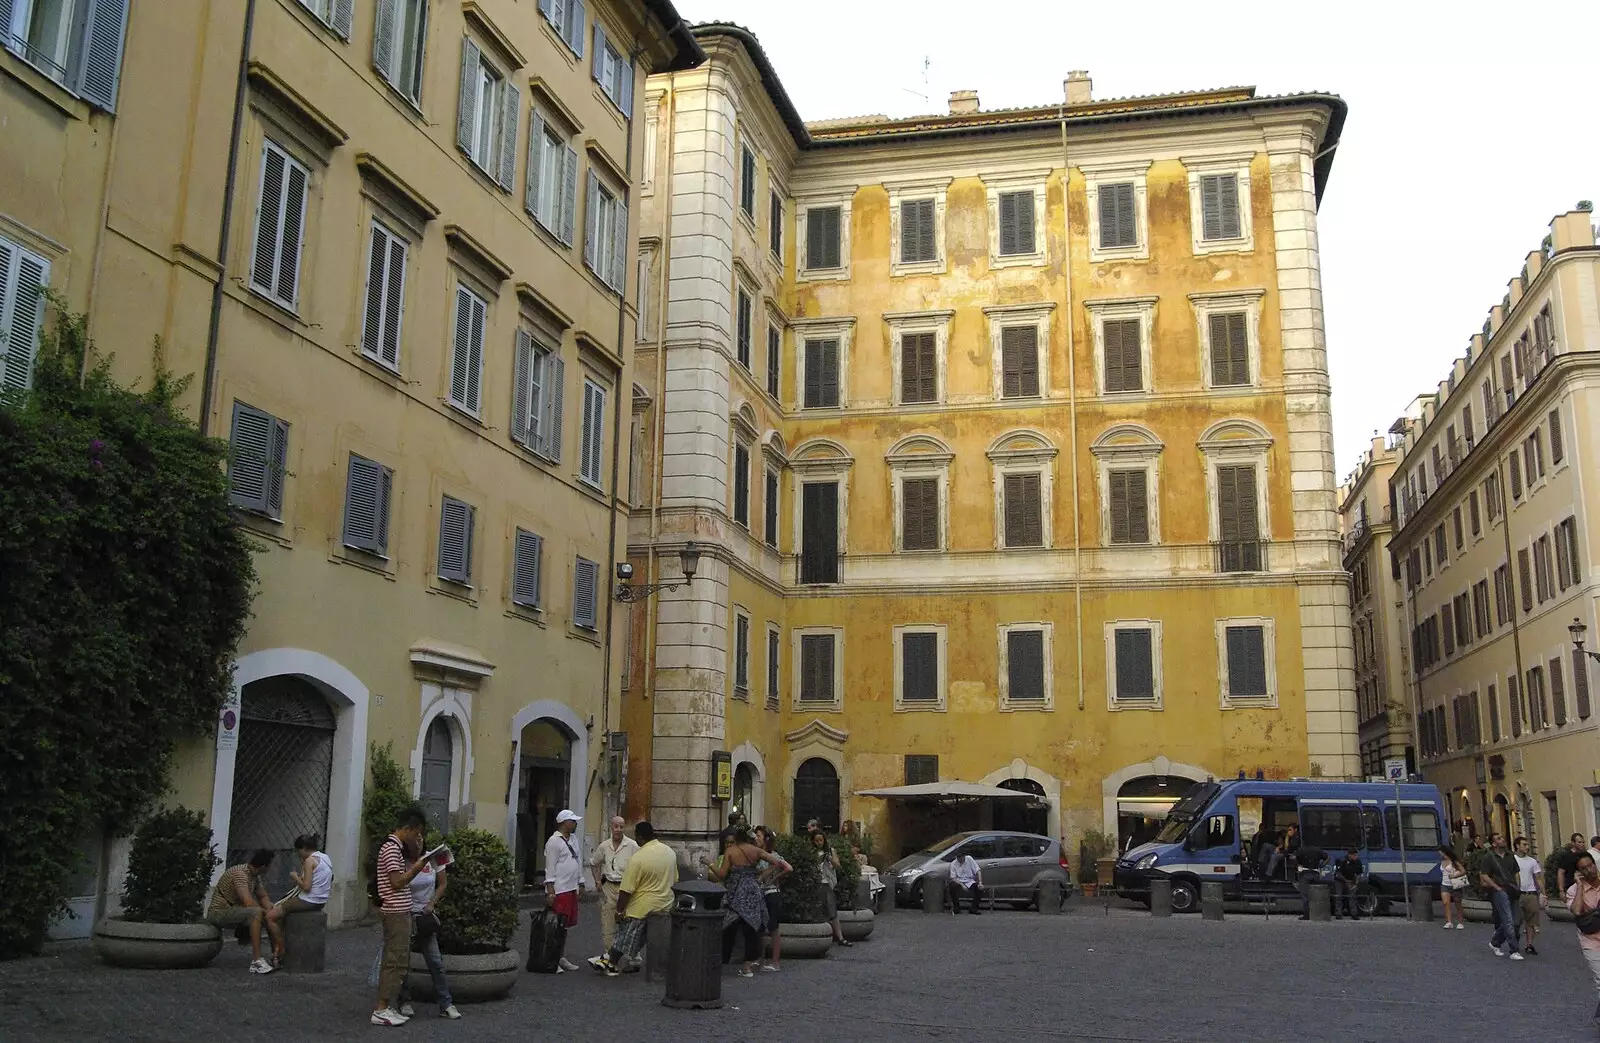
x=944, y=845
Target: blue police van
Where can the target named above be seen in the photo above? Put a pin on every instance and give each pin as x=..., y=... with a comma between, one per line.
x=1229, y=831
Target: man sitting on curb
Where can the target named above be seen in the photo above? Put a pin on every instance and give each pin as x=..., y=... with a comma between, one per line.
x=240, y=899
x=646, y=888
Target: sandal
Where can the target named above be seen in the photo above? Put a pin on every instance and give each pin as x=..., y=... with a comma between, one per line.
x=846, y=944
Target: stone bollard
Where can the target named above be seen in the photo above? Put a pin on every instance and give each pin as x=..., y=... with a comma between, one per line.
x=932, y=895
x=863, y=894
x=886, y=897
x=1319, y=904
x=1420, y=908
x=657, y=944
x=305, y=940
x=1050, y=897
x=1161, y=898
x=1211, y=900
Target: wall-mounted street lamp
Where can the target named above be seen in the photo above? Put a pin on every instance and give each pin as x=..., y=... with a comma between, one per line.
x=1577, y=630
x=688, y=561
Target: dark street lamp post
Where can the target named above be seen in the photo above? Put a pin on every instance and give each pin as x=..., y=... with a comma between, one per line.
x=688, y=561
x=1577, y=630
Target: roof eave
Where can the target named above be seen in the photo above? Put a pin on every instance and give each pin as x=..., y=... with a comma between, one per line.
x=686, y=52
x=769, y=76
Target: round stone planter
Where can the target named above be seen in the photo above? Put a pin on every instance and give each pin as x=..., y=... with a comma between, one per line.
x=856, y=924
x=156, y=946
x=474, y=978
x=806, y=941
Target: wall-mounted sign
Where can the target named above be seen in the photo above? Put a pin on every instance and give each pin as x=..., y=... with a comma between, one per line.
x=721, y=775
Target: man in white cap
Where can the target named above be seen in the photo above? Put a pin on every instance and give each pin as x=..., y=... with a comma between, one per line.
x=563, y=874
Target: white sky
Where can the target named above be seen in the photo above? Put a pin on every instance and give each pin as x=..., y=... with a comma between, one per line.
x=1470, y=126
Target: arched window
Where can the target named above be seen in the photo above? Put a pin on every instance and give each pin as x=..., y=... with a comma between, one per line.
x=816, y=795
x=1022, y=816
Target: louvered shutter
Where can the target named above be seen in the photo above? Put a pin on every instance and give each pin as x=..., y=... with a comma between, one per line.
x=1558, y=692
x=822, y=238
x=521, y=388
x=917, y=240
x=294, y=215
x=1580, y=684
x=819, y=536
x=366, y=505
x=813, y=389
x=462, y=347
x=1019, y=361
x=1008, y=223
x=467, y=111
x=250, y=458
x=1023, y=525
x=1135, y=671
x=525, y=565
x=1138, y=508
x=372, y=325
x=1219, y=202
x=591, y=225
x=1230, y=358
x=741, y=484
x=1526, y=575
x=19, y=338
x=1123, y=363
x=344, y=15
x=269, y=220
x=597, y=69
x=455, y=540
x=919, y=677
x=1025, y=665
x=385, y=21
x=1514, y=695
x=1022, y=223
x=506, y=133
x=555, y=376
x=918, y=372
x=585, y=576
x=822, y=373
x=774, y=359
x=536, y=147
x=619, y=250
x=105, y=25
x=1117, y=225
x=1247, y=670
x=1557, y=451
x=394, y=296
x=574, y=26
x=1119, y=507
x=920, y=513
x=816, y=668
x=1514, y=462
x=569, y=195
x=625, y=88
x=771, y=510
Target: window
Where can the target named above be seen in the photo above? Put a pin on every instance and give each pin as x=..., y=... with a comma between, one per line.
x=1557, y=450
x=1558, y=692
x=921, y=769
x=335, y=14
x=77, y=43
x=1247, y=662
x=486, y=122
x=774, y=359
x=1491, y=404
x=539, y=381
x=1514, y=699
x=594, y=411
x=1449, y=631
x=280, y=227
x=1238, y=520
x=1220, y=216
x=399, y=34
x=366, y=505
x=1455, y=521
x=1526, y=575
x=1491, y=496
x=466, y=364
x=774, y=639
x=1466, y=426
x=566, y=17
x=919, y=372
x=919, y=515
x=1333, y=828
x=1118, y=223
x=822, y=374
x=258, y=453
x=585, y=584
x=819, y=532
x=742, y=340
x=1422, y=827
x=551, y=196
x=1439, y=548
x=23, y=278
x=918, y=241
x=1568, y=572
x=605, y=238
x=1025, y=666
x=1508, y=383
x=741, y=655
x=771, y=505
x=1503, y=597
x=1023, y=509
x=455, y=540
x=1514, y=462
x=1482, y=622
x=822, y=229
x=775, y=226
x=1533, y=458
x=1460, y=610
x=527, y=566
x=741, y=484
x=641, y=289
x=1134, y=676
x=1015, y=212
x=386, y=290
x=1122, y=355
x=1472, y=512
x=1536, y=709
x=747, y=181
x=819, y=668
x=920, y=668
x=1117, y=211
x=1544, y=577
x=1494, y=713
x=1019, y=362
x=1130, y=519
x=612, y=70
x=1230, y=349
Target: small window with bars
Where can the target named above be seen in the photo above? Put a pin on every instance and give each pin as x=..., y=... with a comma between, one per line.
x=922, y=769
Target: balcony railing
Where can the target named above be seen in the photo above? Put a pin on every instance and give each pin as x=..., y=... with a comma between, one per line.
x=1241, y=555
x=816, y=569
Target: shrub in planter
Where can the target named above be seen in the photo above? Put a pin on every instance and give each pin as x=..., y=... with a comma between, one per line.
x=1472, y=862
x=803, y=900
x=169, y=873
x=477, y=917
x=1095, y=845
x=849, y=873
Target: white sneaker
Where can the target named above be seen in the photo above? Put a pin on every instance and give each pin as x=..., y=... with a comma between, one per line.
x=260, y=967
x=1448, y=926
x=450, y=1012
x=388, y=1016
x=567, y=965
x=1460, y=926
x=407, y=1010
x=1495, y=949
x=1516, y=956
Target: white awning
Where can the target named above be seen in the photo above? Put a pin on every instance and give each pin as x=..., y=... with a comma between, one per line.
x=1150, y=807
x=947, y=791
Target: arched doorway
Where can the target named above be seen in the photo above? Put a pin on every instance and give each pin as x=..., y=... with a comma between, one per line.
x=1142, y=806
x=1503, y=813
x=744, y=791
x=282, y=773
x=816, y=795
x=544, y=787
x=1528, y=826
x=437, y=767
x=1022, y=816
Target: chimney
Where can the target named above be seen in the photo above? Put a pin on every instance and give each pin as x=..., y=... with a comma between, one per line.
x=963, y=101
x=1079, y=87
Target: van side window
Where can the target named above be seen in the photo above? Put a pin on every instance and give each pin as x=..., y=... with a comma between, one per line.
x=1333, y=828
x=1373, y=826
x=1219, y=831
x=1422, y=828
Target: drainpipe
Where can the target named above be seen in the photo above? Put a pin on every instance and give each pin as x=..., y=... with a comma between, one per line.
x=208, y=387
x=1072, y=401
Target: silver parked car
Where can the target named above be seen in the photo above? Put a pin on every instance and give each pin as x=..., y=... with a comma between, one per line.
x=1013, y=866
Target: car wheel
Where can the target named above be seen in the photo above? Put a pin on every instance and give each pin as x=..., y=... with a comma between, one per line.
x=1185, y=897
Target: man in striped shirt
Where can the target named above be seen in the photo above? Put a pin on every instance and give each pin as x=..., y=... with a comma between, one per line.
x=394, y=895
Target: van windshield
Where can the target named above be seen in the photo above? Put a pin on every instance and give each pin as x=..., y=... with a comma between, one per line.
x=1186, y=810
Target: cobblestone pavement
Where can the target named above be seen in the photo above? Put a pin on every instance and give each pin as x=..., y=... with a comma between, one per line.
x=1011, y=976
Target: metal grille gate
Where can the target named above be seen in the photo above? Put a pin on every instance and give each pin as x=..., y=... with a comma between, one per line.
x=282, y=773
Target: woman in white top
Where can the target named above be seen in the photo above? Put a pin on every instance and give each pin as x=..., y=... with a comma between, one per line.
x=427, y=888
x=1452, y=888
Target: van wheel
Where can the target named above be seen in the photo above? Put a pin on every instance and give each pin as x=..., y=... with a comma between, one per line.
x=1371, y=905
x=1185, y=898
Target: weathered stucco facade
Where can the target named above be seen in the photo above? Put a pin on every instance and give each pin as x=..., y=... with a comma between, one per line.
x=882, y=505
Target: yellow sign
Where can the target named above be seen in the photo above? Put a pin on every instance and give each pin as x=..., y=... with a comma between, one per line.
x=721, y=775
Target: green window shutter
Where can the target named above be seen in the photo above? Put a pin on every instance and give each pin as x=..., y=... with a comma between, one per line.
x=920, y=513
x=1025, y=665
x=1019, y=362
x=919, y=681
x=1135, y=668
x=1023, y=521
x=829, y=373
x=1247, y=670
x=585, y=581
x=527, y=559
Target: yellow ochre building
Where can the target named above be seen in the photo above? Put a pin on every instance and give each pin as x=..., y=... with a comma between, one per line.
x=1004, y=440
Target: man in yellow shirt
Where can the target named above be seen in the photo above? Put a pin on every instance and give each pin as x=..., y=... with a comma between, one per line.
x=646, y=888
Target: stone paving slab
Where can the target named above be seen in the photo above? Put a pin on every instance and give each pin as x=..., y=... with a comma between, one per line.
x=1008, y=976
